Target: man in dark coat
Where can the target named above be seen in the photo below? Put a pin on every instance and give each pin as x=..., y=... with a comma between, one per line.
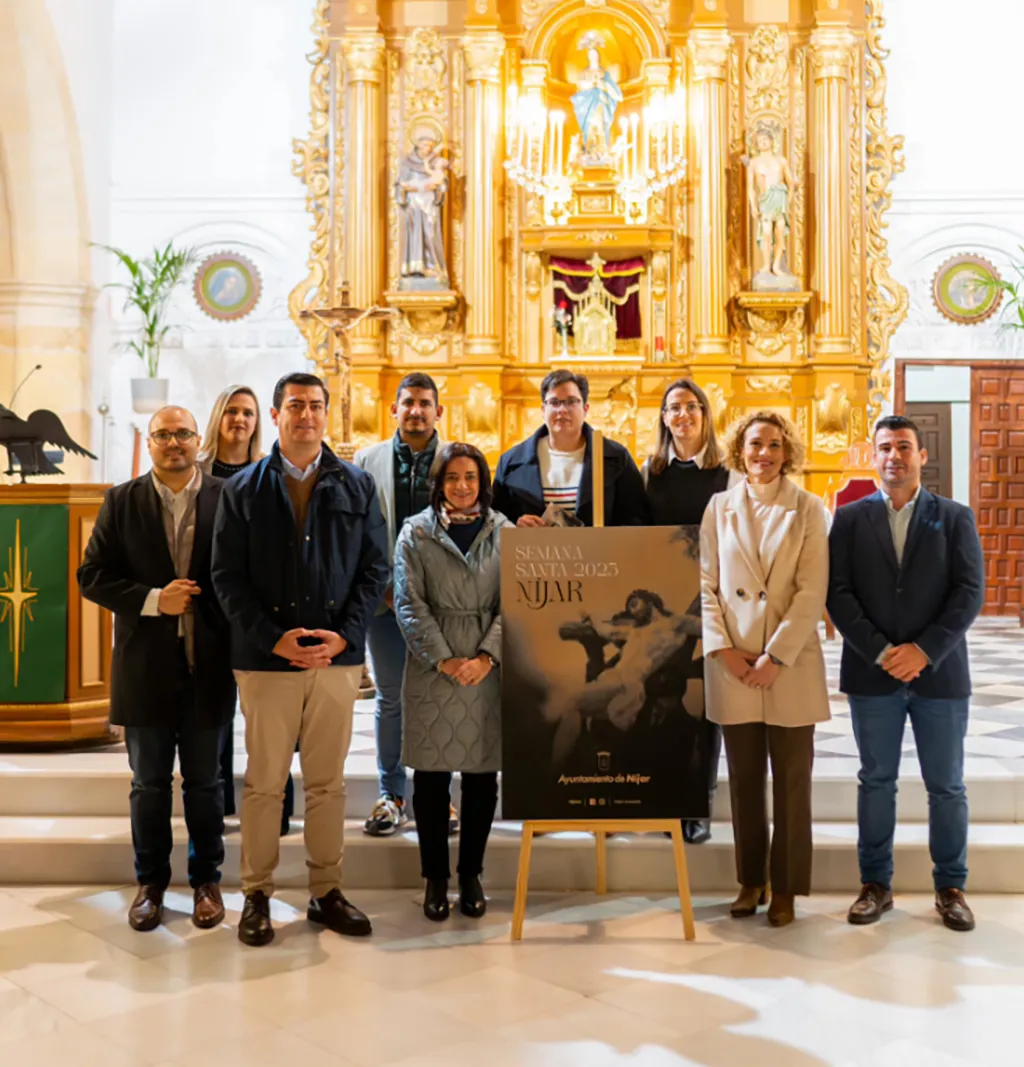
x=907, y=581
x=300, y=561
x=548, y=478
x=148, y=561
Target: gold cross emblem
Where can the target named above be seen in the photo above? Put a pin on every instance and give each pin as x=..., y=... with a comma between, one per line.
x=17, y=594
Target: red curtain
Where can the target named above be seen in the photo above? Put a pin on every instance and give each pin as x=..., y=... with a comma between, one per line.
x=621, y=280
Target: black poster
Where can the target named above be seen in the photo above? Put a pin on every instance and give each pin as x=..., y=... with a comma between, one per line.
x=602, y=674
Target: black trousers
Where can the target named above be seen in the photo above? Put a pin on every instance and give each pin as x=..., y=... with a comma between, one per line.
x=430, y=799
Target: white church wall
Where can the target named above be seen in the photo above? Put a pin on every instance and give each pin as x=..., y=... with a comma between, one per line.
x=963, y=188
x=206, y=101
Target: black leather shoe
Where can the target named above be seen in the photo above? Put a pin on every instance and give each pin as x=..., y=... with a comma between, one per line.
x=147, y=909
x=435, y=900
x=472, y=901
x=335, y=912
x=952, y=906
x=868, y=908
x=254, y=928
x=696, y=831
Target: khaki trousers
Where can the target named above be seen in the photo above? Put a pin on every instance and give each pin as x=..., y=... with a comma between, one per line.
x=748, y=748
x=314, y=709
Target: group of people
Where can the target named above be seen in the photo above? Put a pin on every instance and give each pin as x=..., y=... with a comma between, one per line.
x=280, y=578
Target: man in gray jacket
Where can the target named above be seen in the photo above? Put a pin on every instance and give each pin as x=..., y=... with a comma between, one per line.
x=400, y=467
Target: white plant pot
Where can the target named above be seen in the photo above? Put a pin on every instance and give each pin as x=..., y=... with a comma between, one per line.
x=148, y=395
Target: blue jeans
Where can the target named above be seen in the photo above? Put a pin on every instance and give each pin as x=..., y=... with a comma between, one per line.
x=151, y=751
x=387, y=655
x=939, y=729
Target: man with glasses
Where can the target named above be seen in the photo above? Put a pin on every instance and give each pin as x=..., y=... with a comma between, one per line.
x=300, y=563
x=547, y=479
x=148, y=561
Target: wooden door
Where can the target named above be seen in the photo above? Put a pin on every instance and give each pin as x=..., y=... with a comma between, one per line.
x=936, y=426
x=997, y=483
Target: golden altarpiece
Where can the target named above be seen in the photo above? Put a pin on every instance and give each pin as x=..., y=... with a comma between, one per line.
x=465, y=158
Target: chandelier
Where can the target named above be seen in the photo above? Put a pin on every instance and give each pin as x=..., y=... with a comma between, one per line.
x=646, y=157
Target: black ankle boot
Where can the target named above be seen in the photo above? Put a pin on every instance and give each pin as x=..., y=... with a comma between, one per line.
x=472, y=901
x=435, y=902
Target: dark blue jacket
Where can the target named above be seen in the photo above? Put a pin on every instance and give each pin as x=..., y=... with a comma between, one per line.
x=518, y=490
x=269, y=581
x=930, y=600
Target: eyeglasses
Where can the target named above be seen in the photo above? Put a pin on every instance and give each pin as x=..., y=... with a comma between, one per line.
x=564, y=405
x=163, y=437
x=692, y=408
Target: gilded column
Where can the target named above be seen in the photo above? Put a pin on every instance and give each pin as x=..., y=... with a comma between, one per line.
x=709, y=116
x=483, y=171
x=364, y=204
x=831, y=55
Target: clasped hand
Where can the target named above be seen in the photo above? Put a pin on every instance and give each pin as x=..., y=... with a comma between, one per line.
x=757, y=672
x=904, y=662
x=309, y=657
x=466, y=671
x=176, y=596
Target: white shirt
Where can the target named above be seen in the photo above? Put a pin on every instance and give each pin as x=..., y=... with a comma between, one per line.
x=177, y=504
x=698, y=462
x=298, y=473
x=899, y=521
x=560, y=474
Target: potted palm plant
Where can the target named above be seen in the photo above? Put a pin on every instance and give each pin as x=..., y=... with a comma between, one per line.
x=1012, y=314
x=151, y=282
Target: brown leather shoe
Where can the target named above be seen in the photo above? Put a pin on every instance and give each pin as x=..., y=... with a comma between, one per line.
x=208, y=907
x=782, y=910
x=747, y=902
x=873, y=902
x=952, y=906
x=147, y=909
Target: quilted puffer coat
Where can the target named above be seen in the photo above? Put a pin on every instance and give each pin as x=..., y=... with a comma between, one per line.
x=448, y=605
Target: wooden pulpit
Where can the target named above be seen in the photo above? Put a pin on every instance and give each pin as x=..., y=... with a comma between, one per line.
x=54, y=646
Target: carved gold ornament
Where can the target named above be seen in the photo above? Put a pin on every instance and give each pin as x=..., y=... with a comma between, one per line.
x=719, y=405
x=364, y=56
x=780, y=383
x=887, y=300
x=482, y=418
x=767, y=68
x=424, y=72
x=832, y=420
x=773, y=324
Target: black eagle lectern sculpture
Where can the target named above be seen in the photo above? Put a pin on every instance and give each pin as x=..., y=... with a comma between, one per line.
x=24, y=440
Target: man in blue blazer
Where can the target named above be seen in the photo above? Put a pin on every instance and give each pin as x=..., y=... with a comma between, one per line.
x=907, y=581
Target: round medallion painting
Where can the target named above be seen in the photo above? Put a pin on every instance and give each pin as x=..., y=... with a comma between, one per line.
x=963, y=292
x=227, y=286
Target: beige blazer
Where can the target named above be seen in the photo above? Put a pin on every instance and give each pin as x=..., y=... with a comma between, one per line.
x=773, y=609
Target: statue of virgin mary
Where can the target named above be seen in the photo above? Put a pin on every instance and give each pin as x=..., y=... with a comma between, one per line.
x=595, y=101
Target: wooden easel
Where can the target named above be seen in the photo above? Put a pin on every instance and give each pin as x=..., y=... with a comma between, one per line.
x=600, y=828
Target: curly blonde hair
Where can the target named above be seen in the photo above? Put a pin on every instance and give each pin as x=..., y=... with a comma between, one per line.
x=791, y=443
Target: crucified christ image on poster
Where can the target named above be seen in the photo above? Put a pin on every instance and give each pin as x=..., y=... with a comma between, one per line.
x=603, y=694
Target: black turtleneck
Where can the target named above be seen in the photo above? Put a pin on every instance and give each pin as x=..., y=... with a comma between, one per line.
x=679, y=495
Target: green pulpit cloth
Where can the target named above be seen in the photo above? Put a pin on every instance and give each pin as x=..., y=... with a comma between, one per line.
x=33, y=603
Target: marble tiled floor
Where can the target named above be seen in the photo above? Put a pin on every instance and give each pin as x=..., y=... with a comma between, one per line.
x=595, y=982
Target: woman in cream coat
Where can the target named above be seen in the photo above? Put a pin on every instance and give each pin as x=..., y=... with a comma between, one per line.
x=764, y=578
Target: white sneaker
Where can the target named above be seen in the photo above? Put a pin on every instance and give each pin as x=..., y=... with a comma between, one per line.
x=387, y=815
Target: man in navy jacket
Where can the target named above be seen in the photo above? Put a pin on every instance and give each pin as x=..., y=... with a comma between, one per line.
x=552, y=470
x=907, y=581
x=300, y=560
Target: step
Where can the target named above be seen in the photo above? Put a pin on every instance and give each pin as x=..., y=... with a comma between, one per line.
x=72, y=850
x=97, y=784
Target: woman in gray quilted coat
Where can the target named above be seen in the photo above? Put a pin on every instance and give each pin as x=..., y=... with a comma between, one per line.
x=447, y=600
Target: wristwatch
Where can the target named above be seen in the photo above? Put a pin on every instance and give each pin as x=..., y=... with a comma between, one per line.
x=494, y=662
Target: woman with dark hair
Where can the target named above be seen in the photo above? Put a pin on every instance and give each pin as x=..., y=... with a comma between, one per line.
x=447, y=600
x=681, y=477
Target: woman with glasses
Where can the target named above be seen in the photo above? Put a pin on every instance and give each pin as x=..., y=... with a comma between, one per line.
x=764, y=580
x=230, y=444
x=682, y=476
x=447, y=588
